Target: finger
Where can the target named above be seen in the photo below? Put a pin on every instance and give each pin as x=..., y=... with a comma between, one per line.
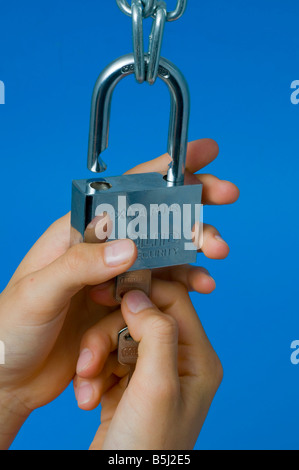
x=216, y=191
x=213, y=245
x=199, y=154
x=194, y=278
x=197, y=356
x=50, y=246
x=97, y=344
x=44, y=293
x=89, y=391
x=172, y=299
x=104, y=294
x=156, y=334
x=99, y=229
x=56, y=241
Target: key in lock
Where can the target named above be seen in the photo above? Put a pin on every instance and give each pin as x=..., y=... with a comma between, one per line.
x=161, y=214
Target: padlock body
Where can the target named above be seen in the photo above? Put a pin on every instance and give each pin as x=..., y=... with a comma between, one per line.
x=157, y=217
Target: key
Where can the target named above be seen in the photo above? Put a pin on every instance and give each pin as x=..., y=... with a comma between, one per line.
x=127, y=350
x=133, y=280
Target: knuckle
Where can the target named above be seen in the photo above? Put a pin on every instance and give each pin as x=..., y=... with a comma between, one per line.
x=179, y=290
x=213, y=372
x=23, y=288
x=75, y=257
x=218, y=372
x=164, y=328
x=97, y=341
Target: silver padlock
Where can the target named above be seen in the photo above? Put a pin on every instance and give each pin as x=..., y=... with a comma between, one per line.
x=157, y=212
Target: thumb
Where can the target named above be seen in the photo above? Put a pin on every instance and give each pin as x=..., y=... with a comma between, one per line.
x=43, y=294
x=157, y=334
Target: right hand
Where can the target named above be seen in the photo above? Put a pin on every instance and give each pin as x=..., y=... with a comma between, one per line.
x=176, y=377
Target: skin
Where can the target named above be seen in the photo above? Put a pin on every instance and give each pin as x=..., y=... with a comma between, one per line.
x=176, y=377
x=56, y=295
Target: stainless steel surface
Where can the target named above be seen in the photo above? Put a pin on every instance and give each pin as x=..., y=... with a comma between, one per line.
x=178, y=12
x=179, y=113
x=155, y=44
x=138, y=45
x=157, y=248
x=139, y=10
x=148, y=7
x=149, y=208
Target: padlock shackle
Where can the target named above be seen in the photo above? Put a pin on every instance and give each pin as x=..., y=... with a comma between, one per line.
x=179, y=114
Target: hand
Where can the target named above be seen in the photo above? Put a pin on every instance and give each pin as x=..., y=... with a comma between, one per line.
x=176, y=377
x=45, y=309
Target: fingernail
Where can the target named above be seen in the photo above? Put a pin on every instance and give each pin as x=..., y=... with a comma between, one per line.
x=84, y=360
x=137, y=301
x=84, y=393
x=219, y=239
x=119, y=252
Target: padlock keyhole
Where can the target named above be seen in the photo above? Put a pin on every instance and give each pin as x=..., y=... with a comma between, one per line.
x=100, y=185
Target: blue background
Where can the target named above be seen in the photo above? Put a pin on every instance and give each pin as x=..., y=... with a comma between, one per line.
x=239, y=59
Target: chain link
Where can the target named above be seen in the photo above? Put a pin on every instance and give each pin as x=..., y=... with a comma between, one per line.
x=138, y=44
x=155, y=42
x=150, y=7
x=178, y=12
x=139, y=10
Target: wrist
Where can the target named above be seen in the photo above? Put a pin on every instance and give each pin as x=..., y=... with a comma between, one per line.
x=13, y=414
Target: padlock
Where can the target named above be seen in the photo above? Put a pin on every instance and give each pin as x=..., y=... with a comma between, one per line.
x=157, y=212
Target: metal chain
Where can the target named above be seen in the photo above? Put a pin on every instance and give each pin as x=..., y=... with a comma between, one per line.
x=139, y=10
x=150, y=6
x=138, y=44
x=155, y=42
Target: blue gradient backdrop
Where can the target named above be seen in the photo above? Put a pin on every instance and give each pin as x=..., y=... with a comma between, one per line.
x=239, y=59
